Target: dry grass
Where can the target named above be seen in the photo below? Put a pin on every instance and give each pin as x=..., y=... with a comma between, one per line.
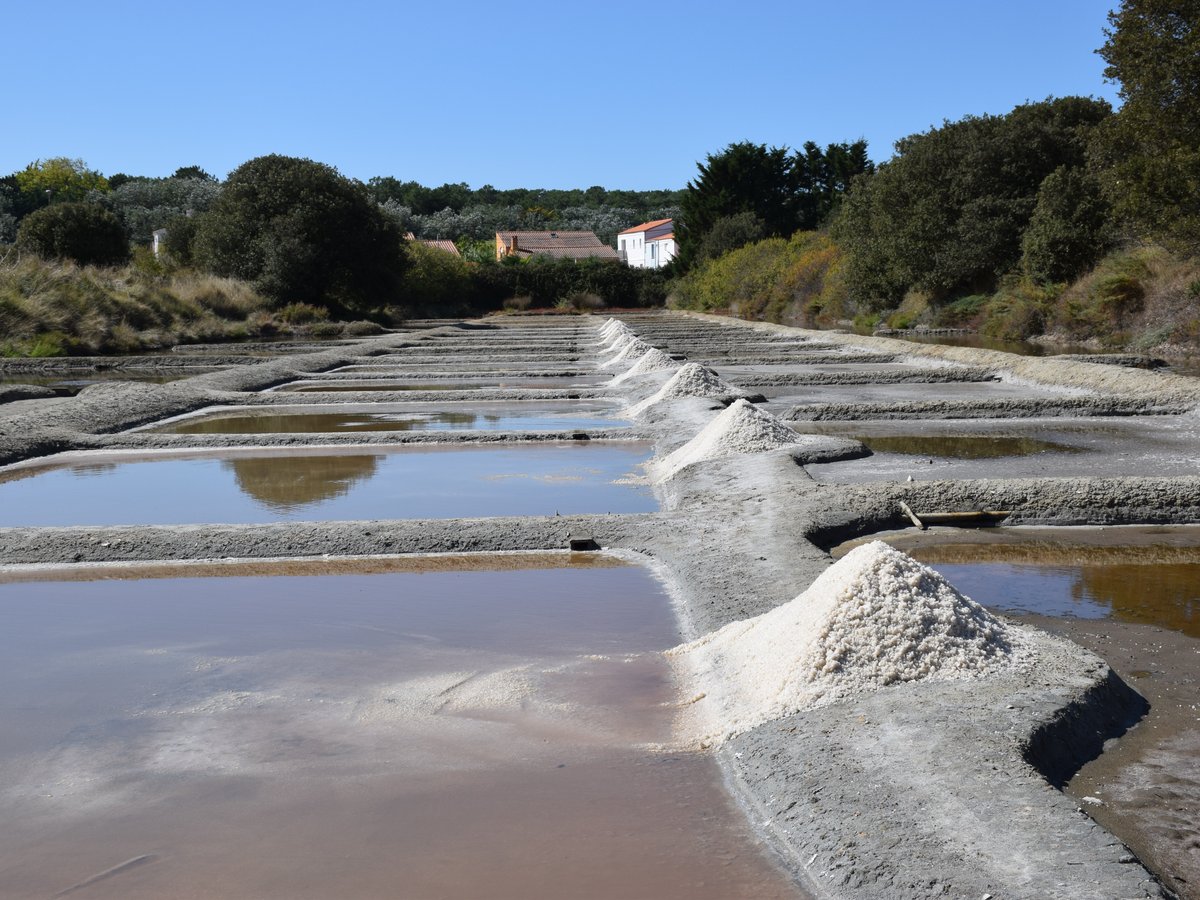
x=60, y=308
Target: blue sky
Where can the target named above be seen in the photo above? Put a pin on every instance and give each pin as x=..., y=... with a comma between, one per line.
x=530, y=94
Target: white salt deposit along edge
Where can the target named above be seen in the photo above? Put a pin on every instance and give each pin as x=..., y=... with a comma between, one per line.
x=630, y=351
x=875, y=618
x=740, y=428
x=653, y=360
x=692, y=380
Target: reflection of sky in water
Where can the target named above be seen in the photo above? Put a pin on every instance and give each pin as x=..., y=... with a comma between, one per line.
x=550, y=419
x=410, y=483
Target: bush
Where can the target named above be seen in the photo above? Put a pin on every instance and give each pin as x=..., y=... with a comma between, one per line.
x=797, y=280
x=302, y=314
x=1068, y=231
x=1103, y=303
x=518, y=304
x=82, y=232
x=301, y=232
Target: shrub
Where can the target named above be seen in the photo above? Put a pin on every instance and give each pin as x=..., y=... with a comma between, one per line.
x=1103, y=303
x=1068, y=231
x=518, y=304
x=302, y=314
x=82, y=232
x=301, y=232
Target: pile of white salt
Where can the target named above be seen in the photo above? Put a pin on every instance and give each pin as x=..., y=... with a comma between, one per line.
x=692, y=380
x=741, y=428
x=876, y=617
x=627, y=349
x=652, y=360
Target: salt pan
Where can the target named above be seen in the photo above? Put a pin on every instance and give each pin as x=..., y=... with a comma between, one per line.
x=877, y=617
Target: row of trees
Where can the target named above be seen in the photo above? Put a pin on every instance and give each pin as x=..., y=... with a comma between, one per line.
x=301, y=233
x=1042, y=192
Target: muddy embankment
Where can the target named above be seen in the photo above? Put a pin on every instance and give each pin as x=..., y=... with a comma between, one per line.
x=917, y=790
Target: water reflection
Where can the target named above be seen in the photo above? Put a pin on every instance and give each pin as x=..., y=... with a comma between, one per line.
x=1152, y=585
x=963, y=446
x=409, y=483
x=518, y=417
x=301, y=480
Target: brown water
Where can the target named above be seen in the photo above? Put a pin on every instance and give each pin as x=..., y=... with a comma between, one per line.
x=954, y=446
x=523, y=415
x=1137, y=576
x=257, y=486
x=465, y=734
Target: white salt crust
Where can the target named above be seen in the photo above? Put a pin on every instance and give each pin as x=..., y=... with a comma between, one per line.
x=653, y=360
x=692, y=380
x=876, y=617
x=741, y=428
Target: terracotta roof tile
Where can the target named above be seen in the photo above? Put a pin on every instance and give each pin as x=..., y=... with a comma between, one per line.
x=646, y=226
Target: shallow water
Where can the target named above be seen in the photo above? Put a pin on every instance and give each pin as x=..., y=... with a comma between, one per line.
x=1137, y=576
x=516, y=383
x=963, y=446
x=524, y=415
x=400, y=734
x=260, y=486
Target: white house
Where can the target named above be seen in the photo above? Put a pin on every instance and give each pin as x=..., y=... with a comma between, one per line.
x=650, y=245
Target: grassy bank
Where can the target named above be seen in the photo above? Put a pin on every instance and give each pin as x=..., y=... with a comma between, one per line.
x=61, y=309
x=1140, y=298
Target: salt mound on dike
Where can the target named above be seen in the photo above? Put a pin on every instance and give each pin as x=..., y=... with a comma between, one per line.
x=612, y=335
x=622, y=341
x=652, y=360
x=741, y=428
x=631, y=350
x=876, y=617
x=612, y=326
x=692, y=380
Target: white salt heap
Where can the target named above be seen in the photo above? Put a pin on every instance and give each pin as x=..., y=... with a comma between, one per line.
x=609, y=336
x=876, y=617
x=741, y=428
x=652, y=360
x=630, y=349
x=692, y=380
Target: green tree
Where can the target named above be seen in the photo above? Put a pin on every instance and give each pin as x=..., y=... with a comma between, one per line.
x=788, y=192
x=946, y=215
x=84, y=232
x=301, y=232
x=193, y=172
x=60, y=179
x=1148, y=154
x=1069, y=229
x=729, y=233
x=743, y=178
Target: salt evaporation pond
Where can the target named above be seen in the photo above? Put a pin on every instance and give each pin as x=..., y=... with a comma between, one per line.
x=522, y=415
x=257, y=486
x=477, y=728
x=1148, y=576
x=455, y=384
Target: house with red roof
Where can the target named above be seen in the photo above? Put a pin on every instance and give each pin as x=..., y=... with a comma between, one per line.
x=557, y=244
x=650, y=245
